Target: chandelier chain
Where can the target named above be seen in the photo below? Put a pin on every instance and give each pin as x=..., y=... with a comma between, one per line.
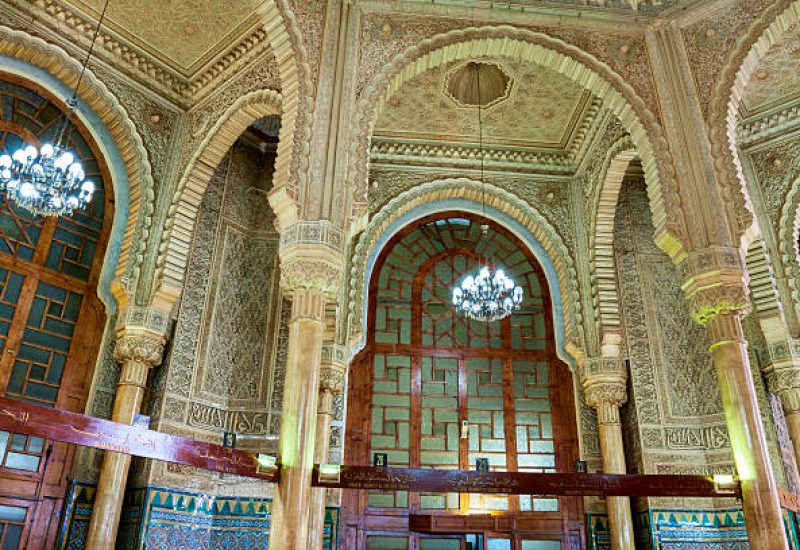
x=490, y=295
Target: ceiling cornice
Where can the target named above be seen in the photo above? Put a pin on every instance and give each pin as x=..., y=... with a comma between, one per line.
x=72, y=28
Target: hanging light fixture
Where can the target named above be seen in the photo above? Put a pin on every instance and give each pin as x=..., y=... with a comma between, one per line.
x=490, y=295
x=50, y=180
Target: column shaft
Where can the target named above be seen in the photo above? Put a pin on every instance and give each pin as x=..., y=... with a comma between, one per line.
x=611, y=446
x=290, y=517
x=762, y=510
x=793, y=423
x=114, y=471
x=317, y=505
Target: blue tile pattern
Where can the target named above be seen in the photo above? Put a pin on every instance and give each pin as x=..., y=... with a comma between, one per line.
x=155, y=518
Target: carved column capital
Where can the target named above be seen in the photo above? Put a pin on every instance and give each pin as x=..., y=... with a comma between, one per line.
x=139, y=348
x=303, y=273
x=783, y=372
x=141, y=338
x=604, y=386
x=602, y=394
x=716, y=284
x=312, y=256
x=331, y=379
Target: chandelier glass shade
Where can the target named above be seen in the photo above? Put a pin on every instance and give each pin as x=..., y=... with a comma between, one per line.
x=488, y=296
x=48, y=181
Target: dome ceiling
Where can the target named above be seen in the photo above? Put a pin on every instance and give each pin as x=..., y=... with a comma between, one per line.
x=531, y=107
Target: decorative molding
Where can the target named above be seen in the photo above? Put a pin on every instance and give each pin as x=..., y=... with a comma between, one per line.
x=503, y=41
x=313, y=233
x=605, y=294
x=138, y=171
x=389, y=152
x=723, y=116
x=774, y=124
x=438, y=191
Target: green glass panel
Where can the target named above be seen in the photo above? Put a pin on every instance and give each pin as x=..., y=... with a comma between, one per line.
x=19, y=461
x=440, y=544
x=12, y=514
x=387, y=543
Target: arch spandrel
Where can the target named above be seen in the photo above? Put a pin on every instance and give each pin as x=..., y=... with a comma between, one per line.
x=118, y=140
x=541, y=49
x=462, y=194
x=742, y=62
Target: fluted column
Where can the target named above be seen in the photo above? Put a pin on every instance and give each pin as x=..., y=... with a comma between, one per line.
x=139, y=347
x=604, y=388
x=331, y=384
x=718, y=299
x=310, y=282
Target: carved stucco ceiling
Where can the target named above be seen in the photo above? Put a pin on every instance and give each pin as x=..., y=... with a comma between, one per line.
x=605, y=5
x=776, y=80
x=184, y=34
x=542, y=111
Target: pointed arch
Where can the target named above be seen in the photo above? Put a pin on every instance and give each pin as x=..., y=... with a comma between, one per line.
x=503, y=207
x=744, y=58
x=538, y=48
x=605, y=294
x=179, y=228
x=119, y=142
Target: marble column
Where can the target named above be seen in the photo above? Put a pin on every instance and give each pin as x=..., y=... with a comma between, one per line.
x=604, y=388
x=718, y=300
x=138, y=349
x=311, y=276
x=331, y=384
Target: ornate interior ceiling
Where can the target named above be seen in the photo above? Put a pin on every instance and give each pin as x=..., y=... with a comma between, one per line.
x=542, y=111
x=185, y=35
x=776, y=81
x=605, y=5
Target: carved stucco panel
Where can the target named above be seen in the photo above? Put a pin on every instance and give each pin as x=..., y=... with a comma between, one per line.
x=240, y=316
x=549, y=197
x=711, y=41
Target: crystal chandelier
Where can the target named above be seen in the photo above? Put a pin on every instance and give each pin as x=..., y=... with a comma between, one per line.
x=490, y=295
x=50, y=180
